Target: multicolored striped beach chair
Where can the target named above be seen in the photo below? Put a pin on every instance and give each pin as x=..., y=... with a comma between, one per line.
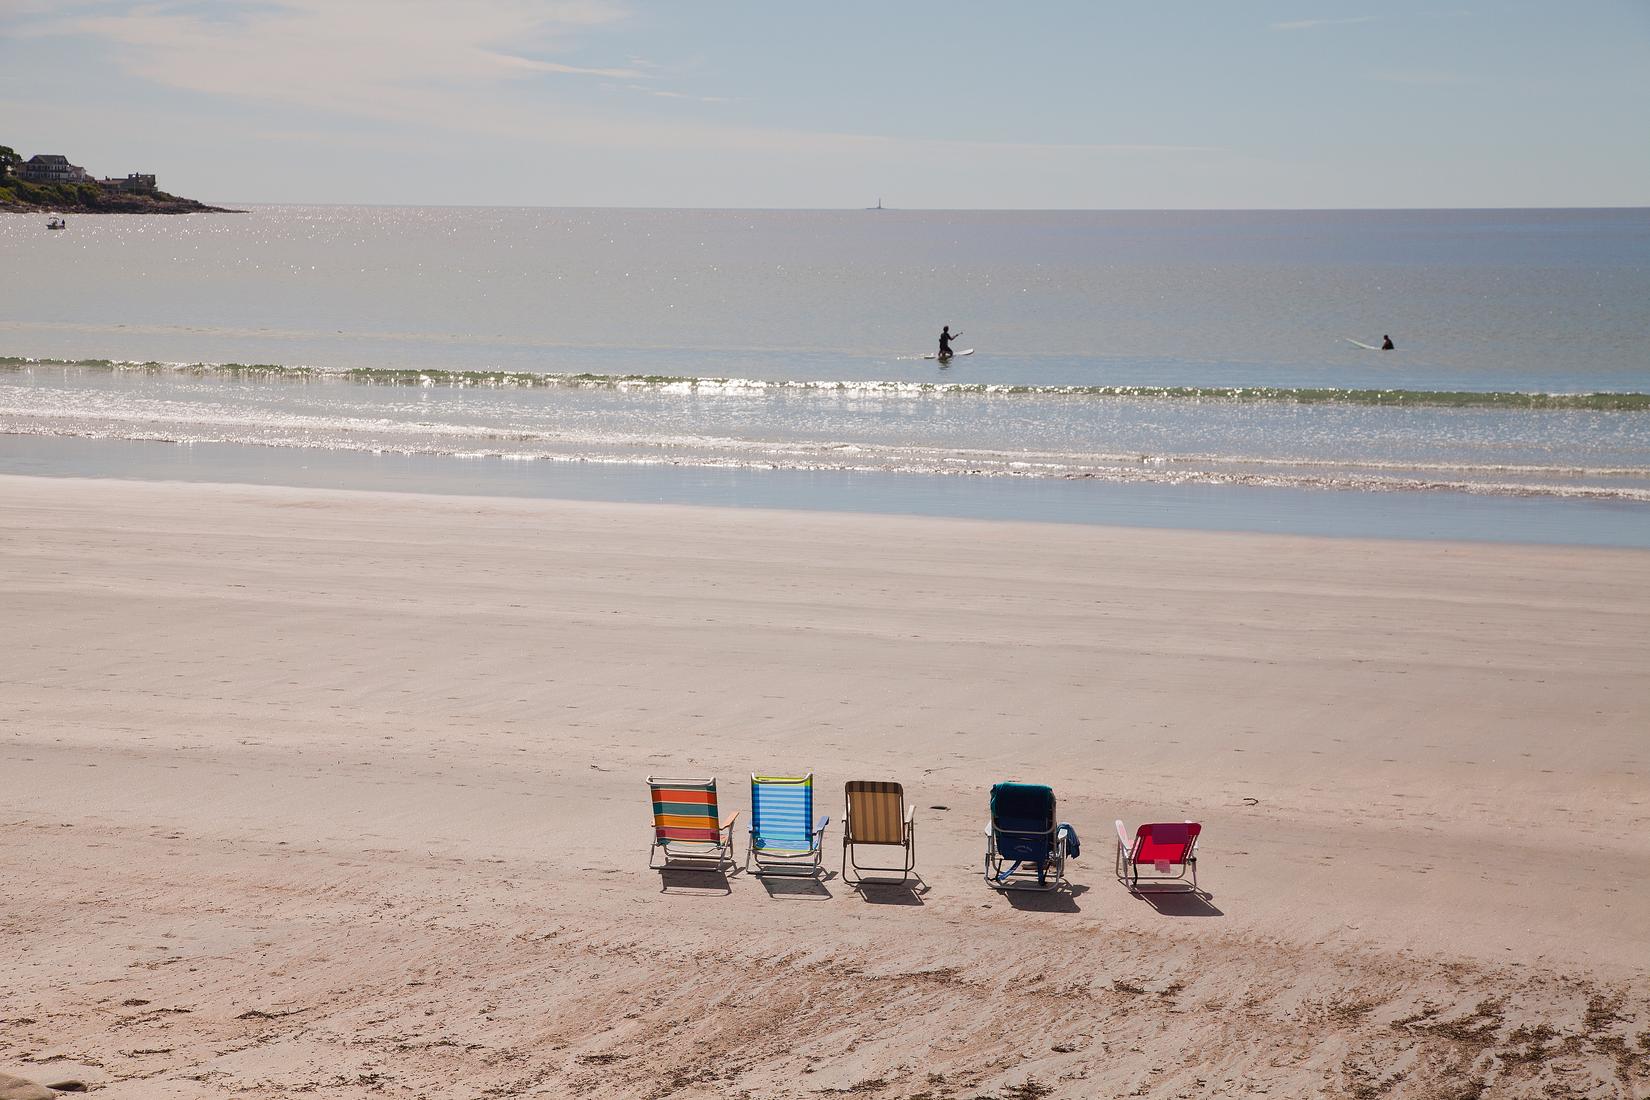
x=1025, y=846
x=1161, y=848
x=781, y=838
x=686, y=827
x=876, y=814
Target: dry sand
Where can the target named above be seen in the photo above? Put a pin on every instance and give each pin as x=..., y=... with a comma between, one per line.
x=343, y=792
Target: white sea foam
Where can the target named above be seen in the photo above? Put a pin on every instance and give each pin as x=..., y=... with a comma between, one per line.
x=744, y=454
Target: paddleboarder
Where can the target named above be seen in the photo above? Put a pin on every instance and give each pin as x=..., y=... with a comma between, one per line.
x=946, y=337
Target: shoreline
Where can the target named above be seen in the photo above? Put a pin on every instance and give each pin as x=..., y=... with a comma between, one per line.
x=355, y=780
x=1429, y=515
x=462, y=501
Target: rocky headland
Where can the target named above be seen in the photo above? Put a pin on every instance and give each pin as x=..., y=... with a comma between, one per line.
x=21, y=196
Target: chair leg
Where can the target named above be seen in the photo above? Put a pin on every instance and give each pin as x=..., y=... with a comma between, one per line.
x=906, y=869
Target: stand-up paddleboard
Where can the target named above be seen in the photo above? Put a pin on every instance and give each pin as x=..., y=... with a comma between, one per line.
x=1360, y=343
x=953, y=355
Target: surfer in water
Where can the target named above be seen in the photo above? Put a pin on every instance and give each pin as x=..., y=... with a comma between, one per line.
x=945, y=342
x=1386, y=343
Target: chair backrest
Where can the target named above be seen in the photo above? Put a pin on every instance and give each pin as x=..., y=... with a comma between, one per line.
x=782, y=809
x=1022, y=816
x=1169, y=841
x=876, y=813
x=685, y=809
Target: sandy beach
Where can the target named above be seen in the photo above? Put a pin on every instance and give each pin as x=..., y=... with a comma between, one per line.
x=344, y=792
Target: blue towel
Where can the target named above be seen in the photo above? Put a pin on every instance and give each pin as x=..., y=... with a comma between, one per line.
x=1074, y=847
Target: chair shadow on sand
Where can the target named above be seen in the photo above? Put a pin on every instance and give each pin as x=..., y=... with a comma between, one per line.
x=798, y=887
x=712, y=881
x=1180, y=903
x=892, y=892
x=1046, y=901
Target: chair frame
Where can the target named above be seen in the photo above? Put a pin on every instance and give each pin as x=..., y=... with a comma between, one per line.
x=1042, y=877
x=701, y=855
x=785, y=861
x=909, y=844
x=1128, y=870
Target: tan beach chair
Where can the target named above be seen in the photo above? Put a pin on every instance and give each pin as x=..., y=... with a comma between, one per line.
x=876, y=814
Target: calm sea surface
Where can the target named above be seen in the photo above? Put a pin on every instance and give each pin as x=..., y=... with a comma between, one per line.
x=479, y=350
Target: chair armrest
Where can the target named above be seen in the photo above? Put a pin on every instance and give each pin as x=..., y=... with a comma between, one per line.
x=1123, y=840
x=911, y=816
x=819, y=828
x=727, y=822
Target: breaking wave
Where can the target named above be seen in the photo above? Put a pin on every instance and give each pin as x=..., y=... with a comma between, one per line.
x=1301, y=395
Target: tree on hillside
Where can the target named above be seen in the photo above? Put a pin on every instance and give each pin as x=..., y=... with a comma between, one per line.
x=9, y=159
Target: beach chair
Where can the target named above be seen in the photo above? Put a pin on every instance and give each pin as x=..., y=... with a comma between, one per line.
x=781, y=838
x=687, y=829
x=875, y=813
x=1158, y=849
x=1025, y=846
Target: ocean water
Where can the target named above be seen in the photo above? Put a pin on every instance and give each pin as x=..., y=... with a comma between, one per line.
x=1181, y=351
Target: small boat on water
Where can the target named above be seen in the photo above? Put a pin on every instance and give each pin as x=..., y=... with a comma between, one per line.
x=57, y=222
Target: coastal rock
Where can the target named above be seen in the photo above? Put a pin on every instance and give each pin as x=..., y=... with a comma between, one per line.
x=17, y=1088
x=18, y=197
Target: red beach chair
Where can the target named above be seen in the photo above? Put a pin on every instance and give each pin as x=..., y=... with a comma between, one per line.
x=1165, y=851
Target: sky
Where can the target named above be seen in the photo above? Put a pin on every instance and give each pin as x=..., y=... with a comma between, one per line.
x=956, y=104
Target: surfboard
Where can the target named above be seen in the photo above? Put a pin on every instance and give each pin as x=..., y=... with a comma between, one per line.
x=953, y=355
x=1361, y=344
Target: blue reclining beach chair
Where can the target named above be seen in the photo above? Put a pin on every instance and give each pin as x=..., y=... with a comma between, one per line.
x=782, y=838
x=1025, y=845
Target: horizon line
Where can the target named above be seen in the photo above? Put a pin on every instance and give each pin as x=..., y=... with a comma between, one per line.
x=938, y=209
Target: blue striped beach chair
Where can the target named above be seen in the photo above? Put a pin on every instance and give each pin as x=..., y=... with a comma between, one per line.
x=781, y=838
x=686, y=825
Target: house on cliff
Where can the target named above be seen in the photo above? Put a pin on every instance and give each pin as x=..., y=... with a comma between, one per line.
x=140, y=183
x=51, y=168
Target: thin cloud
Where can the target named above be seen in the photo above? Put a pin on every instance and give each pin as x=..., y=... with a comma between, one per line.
x=666, y=93
x=360, y=56
x=1310, y=24
x=1421, y=78
x=428, y=65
